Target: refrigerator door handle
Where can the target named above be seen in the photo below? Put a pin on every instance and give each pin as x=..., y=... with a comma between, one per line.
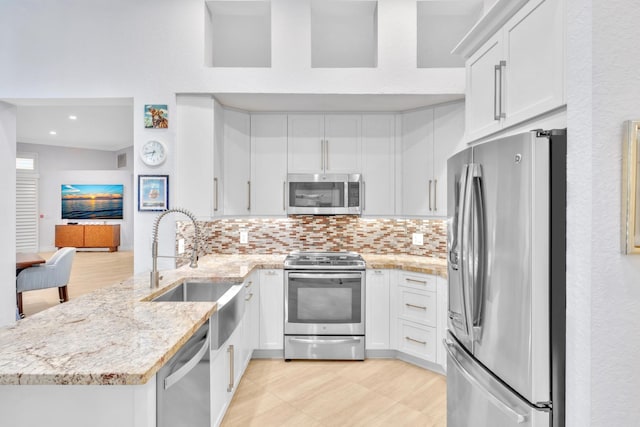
x=478, y=250
x=466, y=248
x=505, y=408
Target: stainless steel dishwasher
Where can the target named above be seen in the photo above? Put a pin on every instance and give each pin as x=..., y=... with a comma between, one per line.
x=183, y=389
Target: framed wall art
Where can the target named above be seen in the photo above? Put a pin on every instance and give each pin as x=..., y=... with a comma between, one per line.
x=153, y=193
x=156, y=116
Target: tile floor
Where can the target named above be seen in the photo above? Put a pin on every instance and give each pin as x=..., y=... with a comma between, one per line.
x=376, y=392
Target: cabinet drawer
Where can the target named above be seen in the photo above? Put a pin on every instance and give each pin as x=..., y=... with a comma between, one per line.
x=417, y=306
x=417, y=340
x=423, y=282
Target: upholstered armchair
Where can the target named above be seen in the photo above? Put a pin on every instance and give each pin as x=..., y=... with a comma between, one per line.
x=52, y=274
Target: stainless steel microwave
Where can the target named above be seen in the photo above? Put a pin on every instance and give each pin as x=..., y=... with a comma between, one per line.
x=324, y=194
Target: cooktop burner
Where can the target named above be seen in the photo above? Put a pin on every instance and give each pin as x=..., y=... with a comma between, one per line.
x=324, y=260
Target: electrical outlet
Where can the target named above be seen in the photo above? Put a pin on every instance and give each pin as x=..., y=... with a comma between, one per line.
x=244, y=236
x=180, y=246
x=417, y=239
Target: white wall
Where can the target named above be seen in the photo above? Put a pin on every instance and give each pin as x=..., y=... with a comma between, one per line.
x=7, y=213
x=61, y=165
x=603, y=285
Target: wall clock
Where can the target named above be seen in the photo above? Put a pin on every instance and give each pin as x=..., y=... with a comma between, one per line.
x=153, y=153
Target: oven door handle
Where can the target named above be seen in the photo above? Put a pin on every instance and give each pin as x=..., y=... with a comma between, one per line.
x=337, y=341
x=325, y=276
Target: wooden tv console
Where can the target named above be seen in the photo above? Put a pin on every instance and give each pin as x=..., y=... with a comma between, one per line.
x=88, y=236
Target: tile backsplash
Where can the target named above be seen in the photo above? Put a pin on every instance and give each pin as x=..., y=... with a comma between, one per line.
x=320, y=233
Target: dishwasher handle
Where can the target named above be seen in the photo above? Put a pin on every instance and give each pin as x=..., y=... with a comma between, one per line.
x=187, y=367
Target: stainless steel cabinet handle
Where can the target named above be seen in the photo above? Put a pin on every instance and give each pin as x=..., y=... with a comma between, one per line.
x=248, y=195
x=326, y=149
x=322, y=154
x=422, y=282
x=248, y=297
x=502, y=65
x=284, y=196
x=415, y=340
x=504, y=407
x=271, y=273
x=215, y=194
x=496, y=83
x=420, y=307
x=435, y=195
x=231, y=352
x=249, y=283
x=430, y=196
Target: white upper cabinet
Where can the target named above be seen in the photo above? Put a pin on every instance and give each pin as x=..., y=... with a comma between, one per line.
x=198, y=159
x=448, y=138
x=342, y=135
x=429, y=137
x=417, y=162
x=378, y=164
x=237, y=160
x=518, y=72
x=324, y=144
x=268, y=164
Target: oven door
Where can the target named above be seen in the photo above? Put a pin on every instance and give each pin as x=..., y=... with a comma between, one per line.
x=324, y=303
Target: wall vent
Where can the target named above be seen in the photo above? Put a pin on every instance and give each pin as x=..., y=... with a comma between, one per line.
x=122, y=160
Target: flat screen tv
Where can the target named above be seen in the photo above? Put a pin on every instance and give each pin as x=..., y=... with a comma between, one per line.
x=81, y=201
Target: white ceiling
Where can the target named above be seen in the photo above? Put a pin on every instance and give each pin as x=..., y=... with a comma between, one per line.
x=107, y=123
x=100, y=124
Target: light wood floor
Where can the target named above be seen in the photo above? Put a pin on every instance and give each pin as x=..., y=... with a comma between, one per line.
x=90, y=271
x=376, y=392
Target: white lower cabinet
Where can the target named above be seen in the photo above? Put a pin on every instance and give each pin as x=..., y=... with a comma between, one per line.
x=251, y=323
x=419, y=316
x=271, y=309
x=417, y=340
x=225, y=374
x=377, y=334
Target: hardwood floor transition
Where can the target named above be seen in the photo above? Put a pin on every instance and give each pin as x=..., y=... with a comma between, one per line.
x=376, y=392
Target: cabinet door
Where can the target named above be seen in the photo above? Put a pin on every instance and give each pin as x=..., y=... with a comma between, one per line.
x=534, y=53
x=342, y=134
x=268, y=164
x=378, y=164
x=447, y=140
x=251, y=332
x=194, y=183
x=271, y=309
x=305, y=143
x=377, y=310
x=237, y=158
x=417, y=161
x=482, y=95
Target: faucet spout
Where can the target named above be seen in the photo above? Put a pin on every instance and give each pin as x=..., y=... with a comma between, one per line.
x=155, y=274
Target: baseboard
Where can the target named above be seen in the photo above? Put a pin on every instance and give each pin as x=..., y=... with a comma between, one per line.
x=267, y=354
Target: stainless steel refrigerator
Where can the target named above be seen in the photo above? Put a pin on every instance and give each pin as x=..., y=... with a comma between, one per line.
x=506, y=264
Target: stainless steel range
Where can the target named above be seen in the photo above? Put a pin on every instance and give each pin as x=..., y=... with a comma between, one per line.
x=324, y=305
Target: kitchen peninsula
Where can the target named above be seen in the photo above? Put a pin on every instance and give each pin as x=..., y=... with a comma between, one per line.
x=99, y=353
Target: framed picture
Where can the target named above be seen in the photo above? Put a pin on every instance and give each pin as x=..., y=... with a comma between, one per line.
x=156, y=116
x=153, y=193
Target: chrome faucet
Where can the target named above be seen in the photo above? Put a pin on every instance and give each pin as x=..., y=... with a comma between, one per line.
x=155, y=274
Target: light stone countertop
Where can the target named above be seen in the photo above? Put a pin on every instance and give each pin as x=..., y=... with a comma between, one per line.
x=114, y=335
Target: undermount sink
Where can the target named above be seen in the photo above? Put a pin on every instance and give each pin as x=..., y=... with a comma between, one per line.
x=228, y=296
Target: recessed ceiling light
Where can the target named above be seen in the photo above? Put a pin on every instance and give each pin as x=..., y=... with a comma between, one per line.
x=52, y=132
x=72, y=117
